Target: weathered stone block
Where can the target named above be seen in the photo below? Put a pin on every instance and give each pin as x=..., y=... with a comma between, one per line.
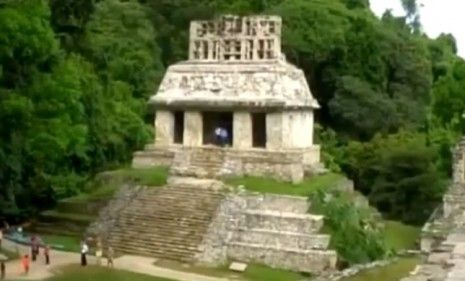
x=311, y=261
x=275, y=220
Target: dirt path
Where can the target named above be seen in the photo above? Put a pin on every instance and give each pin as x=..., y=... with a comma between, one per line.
x=39, y=270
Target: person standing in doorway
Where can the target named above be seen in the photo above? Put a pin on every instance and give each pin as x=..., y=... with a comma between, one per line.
x=224, y=136
x=84, y=251
x=218, y=135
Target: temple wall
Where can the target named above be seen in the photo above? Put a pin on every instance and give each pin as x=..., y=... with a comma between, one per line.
x=275, y=130
x=242, y=130
x=299, y=129
x=193, y=128
x=164, y=127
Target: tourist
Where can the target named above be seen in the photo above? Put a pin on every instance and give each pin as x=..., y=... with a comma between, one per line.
x=224, y=136
x=25, y=263
x=2, y=269
x=33, y=247
x=99, y=252
x=110, y=255
x=218, y=135
x=84, y=251
x=47, y=254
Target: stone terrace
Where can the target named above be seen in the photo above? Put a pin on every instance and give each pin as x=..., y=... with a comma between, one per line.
x=443, y=237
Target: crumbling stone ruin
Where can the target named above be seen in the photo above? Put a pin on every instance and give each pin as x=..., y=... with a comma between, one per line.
x=443, y=236
x=235, y=78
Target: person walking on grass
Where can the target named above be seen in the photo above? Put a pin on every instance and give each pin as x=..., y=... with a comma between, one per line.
x=25, y=264
x=110, y=256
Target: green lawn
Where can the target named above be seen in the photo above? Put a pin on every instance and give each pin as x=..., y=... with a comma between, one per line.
x=9, y=254
x=264, y=273
x=400, y=236
x=104, y=185
x=98, y=273
x=253, y=272
x=61, y=242
x=392, y=272
x=301, y=189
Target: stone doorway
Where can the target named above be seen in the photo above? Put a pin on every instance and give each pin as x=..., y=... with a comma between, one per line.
x=212, y=120
x=178, y=127
x=259, y=129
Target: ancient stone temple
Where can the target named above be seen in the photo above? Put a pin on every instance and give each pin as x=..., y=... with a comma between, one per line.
x=235, y=78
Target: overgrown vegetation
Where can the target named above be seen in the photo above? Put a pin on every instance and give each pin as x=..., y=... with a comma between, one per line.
x=356, y=232
x=75, y=76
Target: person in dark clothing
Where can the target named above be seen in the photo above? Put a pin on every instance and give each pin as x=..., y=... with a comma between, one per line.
x=2, y=269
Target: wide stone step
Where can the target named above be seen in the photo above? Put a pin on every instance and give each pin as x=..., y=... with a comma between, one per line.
x=148, y=242
x=183, y=242
x=151, y=218
x=283, y=203
x=282, y=239
x=178, y=255
x=282, y=221
x=193, y=231
x=173, y=200
x=311, y=261
x=198, y=174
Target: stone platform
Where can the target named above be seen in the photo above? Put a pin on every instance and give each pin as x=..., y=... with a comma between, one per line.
x=218, y=162
x=274, y=230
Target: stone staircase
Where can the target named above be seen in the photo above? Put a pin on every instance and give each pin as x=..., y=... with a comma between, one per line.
x=167, y=222
x=281, y=234
x=202, y=162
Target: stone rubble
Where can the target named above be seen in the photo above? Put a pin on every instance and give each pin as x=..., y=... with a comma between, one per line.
x=443, y=236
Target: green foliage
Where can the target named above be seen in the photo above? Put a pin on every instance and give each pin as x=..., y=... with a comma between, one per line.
x=67, y=116
x=398, y=173
x=355, y=233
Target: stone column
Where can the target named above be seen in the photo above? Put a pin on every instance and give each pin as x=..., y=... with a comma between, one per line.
x=193, y=128
x=274, y=130
x=242, y=130
x=164, y=127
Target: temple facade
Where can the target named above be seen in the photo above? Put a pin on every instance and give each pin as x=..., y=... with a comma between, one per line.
x=235, y=78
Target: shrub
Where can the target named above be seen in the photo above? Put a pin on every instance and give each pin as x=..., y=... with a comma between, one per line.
x=355, y=233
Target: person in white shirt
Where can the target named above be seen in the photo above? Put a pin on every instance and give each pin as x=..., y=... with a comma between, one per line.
x=84, y=251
